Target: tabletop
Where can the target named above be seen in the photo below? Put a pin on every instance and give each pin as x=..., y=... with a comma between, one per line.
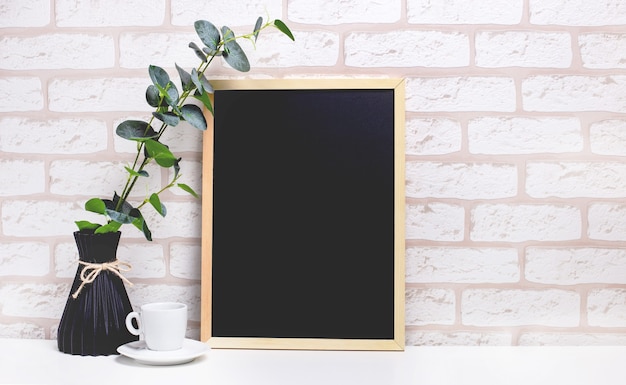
x=26, y=361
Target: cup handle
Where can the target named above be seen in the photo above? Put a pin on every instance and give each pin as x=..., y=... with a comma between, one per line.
x=129, y=325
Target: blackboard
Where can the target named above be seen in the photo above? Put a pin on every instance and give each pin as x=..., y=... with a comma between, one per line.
x=303, y=215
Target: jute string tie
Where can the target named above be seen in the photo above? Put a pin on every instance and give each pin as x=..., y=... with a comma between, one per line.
x=92, y=270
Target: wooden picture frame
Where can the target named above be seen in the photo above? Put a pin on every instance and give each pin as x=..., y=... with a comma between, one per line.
x=303, y=215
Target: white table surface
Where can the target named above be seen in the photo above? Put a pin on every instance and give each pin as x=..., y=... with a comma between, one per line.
x=39, y=362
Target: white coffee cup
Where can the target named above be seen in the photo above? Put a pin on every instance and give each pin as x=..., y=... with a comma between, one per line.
x=162, y=324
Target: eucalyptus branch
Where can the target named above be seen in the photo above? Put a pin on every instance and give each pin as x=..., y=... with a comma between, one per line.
x=171, y=109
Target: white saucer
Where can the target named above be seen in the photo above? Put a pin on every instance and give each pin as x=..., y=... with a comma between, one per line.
x=138, y=351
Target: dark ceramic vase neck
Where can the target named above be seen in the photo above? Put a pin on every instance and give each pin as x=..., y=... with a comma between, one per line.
x=97, y=248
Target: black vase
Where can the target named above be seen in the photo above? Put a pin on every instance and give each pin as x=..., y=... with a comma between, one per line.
x=93, y=323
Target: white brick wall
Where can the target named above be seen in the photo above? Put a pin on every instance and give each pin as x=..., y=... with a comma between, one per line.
x=85, y=13
x=522, y=135
x=515, y=307
x=87, y=51
x=460, y=180
x=573, y=266
x=603, y=50
x=519, y=223
x=97, y=94
x=583, y=13
x=607, y=221
x=523, y=49
x=607, y=137
x=15, y=13
x=465, y=12
x=407, y=49
x=52, y=136
x=331, y=12
x=515, y=147
x=461, y=265
x=472, y=93
x=575, y=93
x=20, y=93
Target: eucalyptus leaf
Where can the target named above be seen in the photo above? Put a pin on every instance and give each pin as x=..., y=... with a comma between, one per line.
x=233, y=53
x=206, y=85
x=160, y=153
x=117, y=204
x=140, y=173
x=146, y=231
x=188, y=189
x=152, y=96
x=196, y=80
x=121, y=217
x=257, y=27
x=141, y=224
x=173, y=95
x=284, y=29
x=211, y=52
x=86, y=225
x=110, y=227
x=111, y=204
x=169, y=118
x=156, y=203
x=185, y=79
x=193, y=115
x=208, y=33
x=95, y=205
x=198, y=51
x=158, y=76
x=135, y=130
x=204, y=98
x=170, y=93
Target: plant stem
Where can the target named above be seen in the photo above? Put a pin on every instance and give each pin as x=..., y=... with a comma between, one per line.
x=132, y=179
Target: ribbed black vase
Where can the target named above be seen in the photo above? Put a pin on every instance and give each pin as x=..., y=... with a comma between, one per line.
x=93, y=323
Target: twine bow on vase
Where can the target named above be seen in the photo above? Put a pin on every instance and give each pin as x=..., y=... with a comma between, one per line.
x=92, y=270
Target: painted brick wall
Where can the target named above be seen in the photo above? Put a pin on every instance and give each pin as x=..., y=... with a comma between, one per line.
x=515, y=147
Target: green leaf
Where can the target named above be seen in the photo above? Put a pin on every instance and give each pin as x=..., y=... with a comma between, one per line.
x=284, y=29
x=185, y=78
x=188, y=189
x=196, y=80
x=204, y=98
x=142, y=173
x=233, y=53
x=169, y=118
x=208, y=33
x=177, y=168
x=161, y=154
x=159, y=76
x=158, y=206
x=141, y=224
x=110, y=227
x=211, y=52
x=152, y=96
x=122, y=217
x=193, y=114
x=135, y=130
x=96, y=205
x=86, y=225
x=198, y=51
x=206, y=85
x=122, y=212
x=170, y=93
x=257, y=27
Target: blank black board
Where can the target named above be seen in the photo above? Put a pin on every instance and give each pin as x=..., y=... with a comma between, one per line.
x=304, y=232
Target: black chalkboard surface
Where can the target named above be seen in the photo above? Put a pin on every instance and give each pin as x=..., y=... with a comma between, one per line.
x=306, y=233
